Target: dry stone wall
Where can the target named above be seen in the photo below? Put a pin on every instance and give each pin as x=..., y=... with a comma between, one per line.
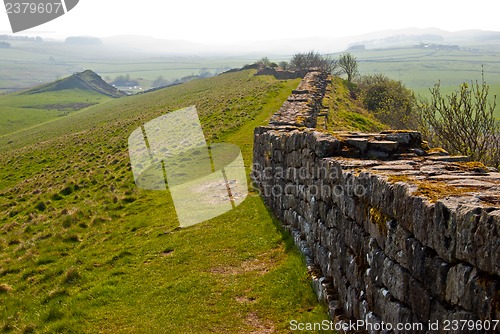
x=392, y=232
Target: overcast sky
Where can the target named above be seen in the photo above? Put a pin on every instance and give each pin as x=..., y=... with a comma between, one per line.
x=220, y=21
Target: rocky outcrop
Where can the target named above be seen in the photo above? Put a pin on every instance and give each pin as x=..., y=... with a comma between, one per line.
x=393, y=232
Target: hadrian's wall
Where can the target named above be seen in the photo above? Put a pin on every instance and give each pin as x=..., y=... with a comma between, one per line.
x=392, y=232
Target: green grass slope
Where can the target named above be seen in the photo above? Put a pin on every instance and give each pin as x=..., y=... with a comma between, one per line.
x=58, y=99
x=19, y=112
x=346, y=113
x=83, y=250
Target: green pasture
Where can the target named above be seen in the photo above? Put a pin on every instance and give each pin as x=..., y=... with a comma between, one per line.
x=83, y=250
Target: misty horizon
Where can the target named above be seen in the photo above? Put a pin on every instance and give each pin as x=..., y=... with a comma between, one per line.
x=289, y=45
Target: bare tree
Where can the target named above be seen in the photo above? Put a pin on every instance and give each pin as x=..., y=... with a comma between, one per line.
x=349, y=65
x=463, y=122
x=284, y=65
x=264, y=62
x=313, y=59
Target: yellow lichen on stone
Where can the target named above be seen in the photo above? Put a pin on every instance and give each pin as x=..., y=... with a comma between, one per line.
x=436, y=150
x=399, y=178
x=435, y=190
x=473, y=166
x=379, y=219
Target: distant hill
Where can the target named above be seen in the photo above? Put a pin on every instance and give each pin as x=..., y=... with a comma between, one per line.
x=413, y=36
x=86, y=80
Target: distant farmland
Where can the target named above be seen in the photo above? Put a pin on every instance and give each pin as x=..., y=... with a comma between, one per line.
x=420, y=68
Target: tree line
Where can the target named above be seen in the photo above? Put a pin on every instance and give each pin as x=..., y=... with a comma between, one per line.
x=346, y=63
x=463, y=122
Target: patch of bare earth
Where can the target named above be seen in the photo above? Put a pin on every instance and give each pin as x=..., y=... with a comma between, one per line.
x=262, y=265
x=258, y=325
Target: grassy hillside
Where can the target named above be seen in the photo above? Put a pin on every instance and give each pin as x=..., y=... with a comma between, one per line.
x=18, y=111
x=346, y=113
x=83, y=250
x=47, y=102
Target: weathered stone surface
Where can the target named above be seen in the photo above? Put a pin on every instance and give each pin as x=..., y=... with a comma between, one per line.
x=359, y=143
x=383, y=145
x=450, y=158
x=326, y=147
x=377, y=155
x=382, y=247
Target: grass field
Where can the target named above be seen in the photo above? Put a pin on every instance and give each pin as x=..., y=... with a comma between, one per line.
x=23, y=111
x=83, y=250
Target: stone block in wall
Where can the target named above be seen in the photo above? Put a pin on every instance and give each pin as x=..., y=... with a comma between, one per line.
x=465, y=287
x=387, y=146
x=288, y=217
x=276, y=143
x=382, y=195
x=335, y=271
x=324, y=235
x=376, y=260
x=403, y=205
x=354, y=273
x=310, y=209
x=396, y=243
x=307, y=159
x=295, y=221
x=443, y=316
x=325, y=146
x=479, y=242
x=435, y=276
x=352, y=303
x=320, y=254
x=333, y=170
x=377, y=155
x=277, y=156
x=487, y=241
x=377, y=226
x=332, y=217
x=396, y=280
x=345, y=195
x=419, y=300
x=391, y=311
x=291, y=142
x=374, y=323
x=357, y=239
x=316, y=231
x=361, y=144
x=415, y=257
x=421, y=218
x=288, y=202
x=304, y=139
x=323, y=207
x=444, y=229
x=403, y=138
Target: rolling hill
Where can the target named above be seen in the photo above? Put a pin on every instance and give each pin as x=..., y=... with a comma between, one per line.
x=82, y=249
x=52, y=101
x=86, y=81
